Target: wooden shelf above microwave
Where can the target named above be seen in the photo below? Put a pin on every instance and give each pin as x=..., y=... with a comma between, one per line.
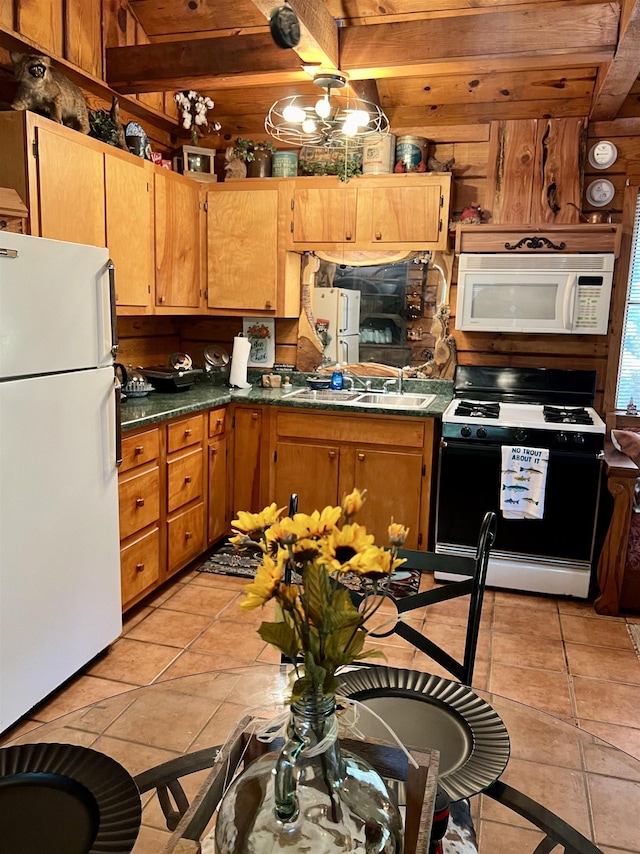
x=587, y=237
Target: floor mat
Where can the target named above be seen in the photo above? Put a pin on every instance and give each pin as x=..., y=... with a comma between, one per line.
x=227, y=560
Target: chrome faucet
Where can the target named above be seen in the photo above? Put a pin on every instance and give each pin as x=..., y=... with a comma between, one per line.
x=354, y=379
x=398, y=380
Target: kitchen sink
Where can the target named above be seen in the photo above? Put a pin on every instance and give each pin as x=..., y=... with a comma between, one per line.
x=328, y=395
x=395, y=401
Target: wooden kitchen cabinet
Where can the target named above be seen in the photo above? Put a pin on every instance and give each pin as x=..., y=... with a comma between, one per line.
x=247, y=459
x=58, y=173
x=178, y=249
x=185, y=491
x=139, y=478
x=129, y=220
x=324, y=456
x=408, y=211
x=248, y=267
x=218, y=517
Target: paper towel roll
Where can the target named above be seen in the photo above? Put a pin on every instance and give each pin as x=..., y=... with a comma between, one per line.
x=239, y=360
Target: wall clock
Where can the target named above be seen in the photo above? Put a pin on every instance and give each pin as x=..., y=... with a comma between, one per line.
x=603, y=154
x=600, y=192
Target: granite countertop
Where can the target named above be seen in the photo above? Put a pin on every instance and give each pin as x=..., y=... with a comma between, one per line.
x=158, y=407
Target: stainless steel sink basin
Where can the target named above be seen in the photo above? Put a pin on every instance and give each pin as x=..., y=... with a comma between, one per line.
x=395, y=401
x=328, y=395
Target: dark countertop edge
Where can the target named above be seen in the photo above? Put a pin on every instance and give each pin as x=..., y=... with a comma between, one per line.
x=157, y=407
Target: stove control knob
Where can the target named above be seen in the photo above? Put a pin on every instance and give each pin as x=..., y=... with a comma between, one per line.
x=466, y=432
x=481, y=433
x=520, y=435
x=579, y=439
x=562, y=438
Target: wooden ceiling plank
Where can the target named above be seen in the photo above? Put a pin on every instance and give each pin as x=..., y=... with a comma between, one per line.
x=318, y=31
x=403, y=117
x=173, y=65
x=563, y=31
x=615, y=80
x=182, y=16
x=618, y=127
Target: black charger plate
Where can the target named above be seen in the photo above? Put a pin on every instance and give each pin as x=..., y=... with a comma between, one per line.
x=66, y=799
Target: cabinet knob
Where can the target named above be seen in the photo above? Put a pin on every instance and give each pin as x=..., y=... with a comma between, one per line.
x=188, y=535
x=161, y=299
x=187, y=478
x=187, y=433
x=254, y=416
x=214, y=451
x=332, y=455
x=139, y=502
x=347, y=235
x=139, y=567
x=219, y=422
x=267, y=303
x=378, y=235
x=361, y=457
x=139, y=449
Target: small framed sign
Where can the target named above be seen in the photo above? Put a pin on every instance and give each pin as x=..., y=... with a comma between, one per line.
x=195, y=162
x=261, y=332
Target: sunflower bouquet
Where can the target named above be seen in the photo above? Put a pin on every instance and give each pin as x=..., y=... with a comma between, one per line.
x=304, y=558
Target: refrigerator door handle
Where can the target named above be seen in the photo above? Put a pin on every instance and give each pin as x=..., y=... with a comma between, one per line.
x=111, y=268
x=118, y=394
x=8, y=253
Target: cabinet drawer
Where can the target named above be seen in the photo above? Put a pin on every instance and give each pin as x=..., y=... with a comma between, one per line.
x=140, y=565
x=217, y=420
x=184, y=479
x=139, y=498
x=183, y=433
x=185, y=534
x=349, y=428
x=139, y=449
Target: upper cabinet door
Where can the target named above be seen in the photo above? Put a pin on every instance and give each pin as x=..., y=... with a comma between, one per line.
x=242, y=235
x=401, y=215
x=324, y=215
x=71, y=188
x=177, y=240
x=129, y=184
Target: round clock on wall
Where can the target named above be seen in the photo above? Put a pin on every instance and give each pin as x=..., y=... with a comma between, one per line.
x=603, y=154
x=600, y=192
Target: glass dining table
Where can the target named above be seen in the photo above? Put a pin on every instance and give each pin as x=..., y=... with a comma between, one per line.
x=556, y=774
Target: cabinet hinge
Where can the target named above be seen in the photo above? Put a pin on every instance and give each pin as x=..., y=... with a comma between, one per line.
x=206, y=294
x=233, y=421
x=441, y=201
x=424, y=469
x=148, y=187
x=275, y=456
x=34, y=147
x=292, y=203
x=291, y=226
x=148, y=289
x=440, y=225
x=420, y=539
x=206, y=207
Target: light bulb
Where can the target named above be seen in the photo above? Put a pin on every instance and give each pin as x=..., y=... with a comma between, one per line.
x=323, y=107
x=359, y=117
x=291, y=113
x=349, y=128
x=308, y=126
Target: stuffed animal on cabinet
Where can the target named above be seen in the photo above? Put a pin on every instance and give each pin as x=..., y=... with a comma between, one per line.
x=47, y=92
x=233, y=166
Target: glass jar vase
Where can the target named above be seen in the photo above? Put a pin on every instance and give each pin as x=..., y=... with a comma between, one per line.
x=311, y=796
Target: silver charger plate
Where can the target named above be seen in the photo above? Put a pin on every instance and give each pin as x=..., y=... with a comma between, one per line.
x=433, y=712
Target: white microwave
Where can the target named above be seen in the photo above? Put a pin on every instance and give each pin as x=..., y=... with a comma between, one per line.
x=534, y=293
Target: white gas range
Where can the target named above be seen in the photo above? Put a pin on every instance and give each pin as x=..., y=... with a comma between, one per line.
x=545, y=410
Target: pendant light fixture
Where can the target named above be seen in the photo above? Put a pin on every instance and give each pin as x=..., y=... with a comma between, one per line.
x=331, y=119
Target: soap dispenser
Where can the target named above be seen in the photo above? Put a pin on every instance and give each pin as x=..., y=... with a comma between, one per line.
x=337, y=380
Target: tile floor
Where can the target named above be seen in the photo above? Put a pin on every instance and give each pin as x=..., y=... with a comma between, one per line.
x=556, y=655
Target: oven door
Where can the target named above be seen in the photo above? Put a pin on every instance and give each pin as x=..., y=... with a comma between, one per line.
x=469, y=485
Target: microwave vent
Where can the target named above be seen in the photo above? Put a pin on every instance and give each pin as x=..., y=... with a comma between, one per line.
x=531, y=263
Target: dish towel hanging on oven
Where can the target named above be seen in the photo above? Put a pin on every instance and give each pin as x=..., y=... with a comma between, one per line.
x=523, y=481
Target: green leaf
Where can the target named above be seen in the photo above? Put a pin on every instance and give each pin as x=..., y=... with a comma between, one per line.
x=317, y=593
x=282, y=636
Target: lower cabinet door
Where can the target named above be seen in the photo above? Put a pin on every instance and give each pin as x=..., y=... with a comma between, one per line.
x=140, y=565
x=185, y=536
x=218, y=522
x=311, y=471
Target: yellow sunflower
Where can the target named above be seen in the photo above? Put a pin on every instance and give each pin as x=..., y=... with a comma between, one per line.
x=266, y=581
x=397, y=534
x=341, y=549
x=352, y=503
x=255, y=523
x=318, y=524
x=375, y=562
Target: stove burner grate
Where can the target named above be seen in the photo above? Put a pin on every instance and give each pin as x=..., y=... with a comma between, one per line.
x=476, y=409
x=566, y=415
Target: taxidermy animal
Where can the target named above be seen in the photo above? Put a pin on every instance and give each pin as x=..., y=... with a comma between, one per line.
x=233, y=166
x=472, y=215
x=48, y=92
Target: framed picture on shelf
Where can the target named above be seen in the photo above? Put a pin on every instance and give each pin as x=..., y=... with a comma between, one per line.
x=261, y=332
x=195, y=162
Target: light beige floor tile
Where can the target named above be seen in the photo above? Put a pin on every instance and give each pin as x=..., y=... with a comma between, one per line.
x=609, y=702
x=135, y=662
x=82, y=691
x=545, y=653
x=595, y=661
x=517, y=619
x=615, y=821
x=541, y=689
x=498, y=838
x=227, y=638
x=196, y=599
x=601, y=632
x=623, y=737
x=172, y=628
x=526, y=601
x=190, y=662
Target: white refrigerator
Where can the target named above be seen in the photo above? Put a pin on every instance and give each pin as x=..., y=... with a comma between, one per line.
x=59, y=541
x=341, y=307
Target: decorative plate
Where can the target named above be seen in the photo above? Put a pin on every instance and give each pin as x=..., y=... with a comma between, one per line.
x=471, y=737
x=66, y=799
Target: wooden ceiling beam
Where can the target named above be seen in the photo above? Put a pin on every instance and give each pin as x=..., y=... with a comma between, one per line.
x=318, y=31
x=615, y=80
x=381, y=49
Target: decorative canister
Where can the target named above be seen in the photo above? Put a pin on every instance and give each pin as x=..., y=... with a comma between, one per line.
x=378, y=157
x=284, y=164
x=410, y=152
x=260, y=166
